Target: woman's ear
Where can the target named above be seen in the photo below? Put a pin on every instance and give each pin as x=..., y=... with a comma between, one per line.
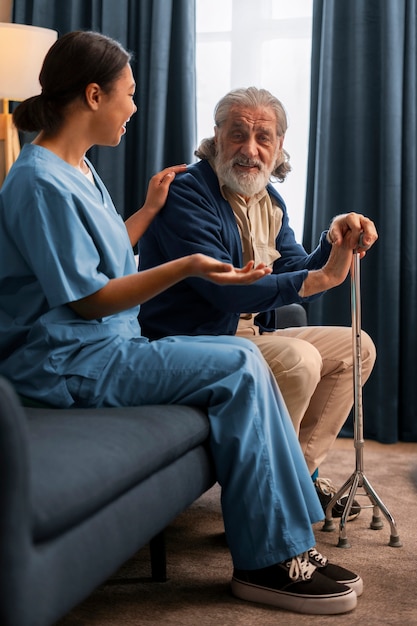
x=93, y=95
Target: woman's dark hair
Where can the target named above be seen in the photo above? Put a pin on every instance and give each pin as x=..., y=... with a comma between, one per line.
x=75, y=60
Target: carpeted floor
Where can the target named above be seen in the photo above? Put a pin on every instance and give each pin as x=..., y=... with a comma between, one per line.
x=199, y=565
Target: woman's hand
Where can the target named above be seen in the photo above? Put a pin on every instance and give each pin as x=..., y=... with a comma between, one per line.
x=158, y=188
x=156, y=197
x=225, y=273
x=129, y=291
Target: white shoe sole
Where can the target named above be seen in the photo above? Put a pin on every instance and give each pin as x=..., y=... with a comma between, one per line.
x=332, y=604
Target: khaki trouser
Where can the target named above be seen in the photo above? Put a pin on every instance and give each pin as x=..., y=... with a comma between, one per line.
x=313, y=366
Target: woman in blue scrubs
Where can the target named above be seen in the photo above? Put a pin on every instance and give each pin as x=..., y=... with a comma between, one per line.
x=69, y=334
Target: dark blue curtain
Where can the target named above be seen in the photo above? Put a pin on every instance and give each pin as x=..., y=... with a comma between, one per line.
x=161, y=36
x=362, y=157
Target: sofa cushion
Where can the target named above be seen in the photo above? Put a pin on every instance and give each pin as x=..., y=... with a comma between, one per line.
x=82, y=459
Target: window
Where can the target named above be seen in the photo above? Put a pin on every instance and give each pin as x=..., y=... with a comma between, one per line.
x=266, y=43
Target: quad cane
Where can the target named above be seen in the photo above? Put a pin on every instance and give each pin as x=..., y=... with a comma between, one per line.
x=358, y=478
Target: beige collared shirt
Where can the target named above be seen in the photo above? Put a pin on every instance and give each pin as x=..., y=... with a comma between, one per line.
x=259, y=222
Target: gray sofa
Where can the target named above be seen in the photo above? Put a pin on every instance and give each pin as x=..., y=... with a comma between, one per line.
x=81, y=490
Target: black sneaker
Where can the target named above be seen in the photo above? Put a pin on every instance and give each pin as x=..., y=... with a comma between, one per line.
x=335, y=572
x=295, y=585
x=326, y=490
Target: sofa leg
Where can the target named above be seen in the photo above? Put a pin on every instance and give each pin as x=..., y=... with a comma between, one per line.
x=158, y=558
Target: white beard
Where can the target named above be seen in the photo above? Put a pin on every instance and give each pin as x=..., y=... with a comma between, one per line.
x=246, y=184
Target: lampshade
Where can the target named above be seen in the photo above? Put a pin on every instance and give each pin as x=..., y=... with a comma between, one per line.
x=22, y=51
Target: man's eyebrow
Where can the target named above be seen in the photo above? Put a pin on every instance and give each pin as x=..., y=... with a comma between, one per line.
x=243, y=125
x=264, y=129
x=239, y=124
x=258, y=127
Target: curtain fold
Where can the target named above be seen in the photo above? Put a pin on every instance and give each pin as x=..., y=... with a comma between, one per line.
x=161, y=36
x=362, y=157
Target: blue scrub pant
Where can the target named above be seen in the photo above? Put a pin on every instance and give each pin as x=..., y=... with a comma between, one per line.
x=268, y=498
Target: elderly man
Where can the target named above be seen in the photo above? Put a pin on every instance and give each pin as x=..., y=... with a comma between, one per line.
x=225, y=207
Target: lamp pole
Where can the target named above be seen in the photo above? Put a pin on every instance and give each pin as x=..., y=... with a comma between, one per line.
x=10, y=137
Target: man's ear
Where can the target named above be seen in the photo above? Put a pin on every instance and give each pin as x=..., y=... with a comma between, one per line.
x=93, y=95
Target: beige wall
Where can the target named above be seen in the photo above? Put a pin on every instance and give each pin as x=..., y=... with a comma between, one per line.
x=5, y=10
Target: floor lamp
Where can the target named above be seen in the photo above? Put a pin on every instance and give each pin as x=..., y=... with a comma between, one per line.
x=22, y=50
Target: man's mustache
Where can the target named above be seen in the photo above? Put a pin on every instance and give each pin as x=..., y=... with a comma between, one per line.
x=247, y=162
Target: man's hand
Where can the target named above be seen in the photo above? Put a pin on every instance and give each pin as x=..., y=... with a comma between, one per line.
x=354, y=230
x=332, y=274
x=347, y=233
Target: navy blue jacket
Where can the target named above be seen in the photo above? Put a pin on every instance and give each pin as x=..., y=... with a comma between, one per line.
x=196, y=218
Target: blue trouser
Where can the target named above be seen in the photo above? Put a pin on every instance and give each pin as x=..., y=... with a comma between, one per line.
x=268, y=499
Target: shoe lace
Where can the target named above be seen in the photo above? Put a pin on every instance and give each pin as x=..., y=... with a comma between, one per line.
x=326, y=486
x=316, y=556
x=300, y=567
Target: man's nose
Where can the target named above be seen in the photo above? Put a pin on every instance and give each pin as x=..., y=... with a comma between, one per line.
x=250, y=148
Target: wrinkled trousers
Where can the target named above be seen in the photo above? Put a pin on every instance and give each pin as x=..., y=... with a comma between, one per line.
x=268, y=499
x=313, y=366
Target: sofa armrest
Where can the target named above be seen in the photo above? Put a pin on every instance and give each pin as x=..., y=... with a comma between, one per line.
x=15, y=512
x=290, y=315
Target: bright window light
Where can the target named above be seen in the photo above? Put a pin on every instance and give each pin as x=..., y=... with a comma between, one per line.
x=266, y=43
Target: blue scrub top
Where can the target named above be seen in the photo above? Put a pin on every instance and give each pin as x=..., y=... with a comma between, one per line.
x=61, y=239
